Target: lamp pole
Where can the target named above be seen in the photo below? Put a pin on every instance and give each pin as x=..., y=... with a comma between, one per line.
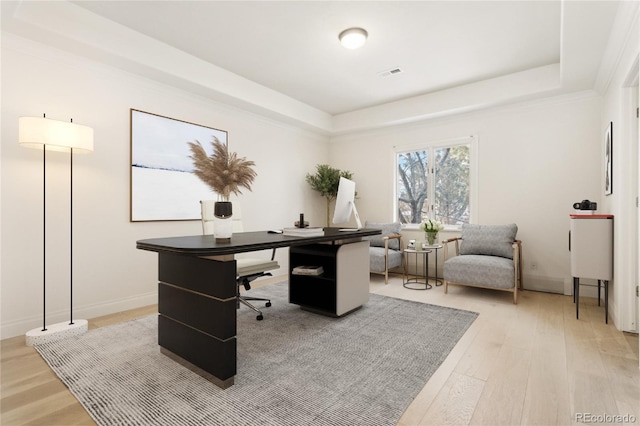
x=71, y=235
x=44, y=238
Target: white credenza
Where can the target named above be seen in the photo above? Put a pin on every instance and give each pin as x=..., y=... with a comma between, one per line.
x=591, y=247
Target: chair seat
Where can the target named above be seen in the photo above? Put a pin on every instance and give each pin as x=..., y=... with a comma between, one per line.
x=488, y=271
x=376, y=259
x=250, y=266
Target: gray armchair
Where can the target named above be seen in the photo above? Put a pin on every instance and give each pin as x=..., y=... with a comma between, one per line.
x=487, y=256
x=385, y=250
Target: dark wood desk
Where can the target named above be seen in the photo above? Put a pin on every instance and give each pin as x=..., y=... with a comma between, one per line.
x=197, y=296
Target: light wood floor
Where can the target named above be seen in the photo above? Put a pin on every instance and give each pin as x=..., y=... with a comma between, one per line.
x=526, y=364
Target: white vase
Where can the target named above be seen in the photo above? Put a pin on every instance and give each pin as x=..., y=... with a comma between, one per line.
x=431, y=237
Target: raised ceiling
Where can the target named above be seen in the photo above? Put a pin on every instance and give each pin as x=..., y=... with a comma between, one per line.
x=451, y=53
x=293, y=47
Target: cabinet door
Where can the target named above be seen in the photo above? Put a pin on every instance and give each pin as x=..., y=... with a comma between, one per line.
x=352, y=279
x=592, y=248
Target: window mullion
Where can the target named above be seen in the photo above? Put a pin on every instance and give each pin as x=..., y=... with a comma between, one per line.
x=432, y=183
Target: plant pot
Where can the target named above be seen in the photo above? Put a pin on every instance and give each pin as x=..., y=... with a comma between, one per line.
x=223, y=221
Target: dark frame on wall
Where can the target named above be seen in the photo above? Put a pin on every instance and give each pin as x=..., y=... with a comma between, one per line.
x=608, y=160
x=163, y=186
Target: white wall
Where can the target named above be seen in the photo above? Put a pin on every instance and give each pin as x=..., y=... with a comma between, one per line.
x=619, y=106
x=110, y=274
x=535, y=160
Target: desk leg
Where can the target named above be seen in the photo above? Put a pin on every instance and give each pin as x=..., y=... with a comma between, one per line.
x=599, y=286
x=197, y=314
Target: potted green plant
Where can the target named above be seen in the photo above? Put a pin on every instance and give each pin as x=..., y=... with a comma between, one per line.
x=325, y=181
x=225, y=173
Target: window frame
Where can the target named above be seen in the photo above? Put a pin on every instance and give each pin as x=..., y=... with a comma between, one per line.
x=431, y=146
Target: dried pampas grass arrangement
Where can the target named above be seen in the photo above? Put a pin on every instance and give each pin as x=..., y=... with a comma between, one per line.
x=223, y=172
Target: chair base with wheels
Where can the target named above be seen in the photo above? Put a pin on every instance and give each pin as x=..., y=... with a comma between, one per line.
x=245, y=300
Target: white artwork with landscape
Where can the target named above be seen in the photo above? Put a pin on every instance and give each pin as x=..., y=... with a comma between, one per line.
x=163, y=185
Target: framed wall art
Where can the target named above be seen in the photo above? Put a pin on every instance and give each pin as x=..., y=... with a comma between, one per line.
x=163, y=185
x=608, y=160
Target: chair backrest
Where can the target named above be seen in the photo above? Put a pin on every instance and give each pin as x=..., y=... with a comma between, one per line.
x=387, y=229
x=488, y=240
x=207, y=216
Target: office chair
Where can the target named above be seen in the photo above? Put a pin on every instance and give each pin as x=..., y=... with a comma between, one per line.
x=247, y=269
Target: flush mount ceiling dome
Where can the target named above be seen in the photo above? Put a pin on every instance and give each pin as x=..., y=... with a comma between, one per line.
x=352, y=38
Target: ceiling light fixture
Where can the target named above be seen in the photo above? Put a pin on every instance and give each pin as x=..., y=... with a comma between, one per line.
x=352, y=38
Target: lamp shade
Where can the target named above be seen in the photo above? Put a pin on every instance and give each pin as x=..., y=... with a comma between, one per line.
x=38, y=132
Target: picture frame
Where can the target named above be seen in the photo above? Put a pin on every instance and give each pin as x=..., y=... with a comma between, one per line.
x=163, y=186
x=608, y=160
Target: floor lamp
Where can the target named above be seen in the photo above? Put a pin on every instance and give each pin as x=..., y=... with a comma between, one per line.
x=43, y=133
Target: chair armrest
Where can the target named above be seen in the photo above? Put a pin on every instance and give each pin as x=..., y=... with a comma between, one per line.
x=445, y=244
x=392, y=237
x=517, y=250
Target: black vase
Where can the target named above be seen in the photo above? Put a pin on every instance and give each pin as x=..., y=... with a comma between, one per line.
x=222, y=221
x=223, y=209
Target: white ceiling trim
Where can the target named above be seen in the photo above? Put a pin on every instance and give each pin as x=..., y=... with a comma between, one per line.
x=74, y=29
x=622, y=34
x=511, y=88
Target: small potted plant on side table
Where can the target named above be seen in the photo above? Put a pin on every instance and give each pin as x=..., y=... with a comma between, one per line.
x=431, y=228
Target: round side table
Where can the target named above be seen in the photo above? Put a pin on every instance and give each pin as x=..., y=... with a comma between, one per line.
x=418, y=280
x=435, y=248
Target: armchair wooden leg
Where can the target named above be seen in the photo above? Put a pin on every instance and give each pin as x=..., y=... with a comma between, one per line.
x=446, y=286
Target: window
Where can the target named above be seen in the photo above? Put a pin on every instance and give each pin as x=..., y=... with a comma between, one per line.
x=436, y=181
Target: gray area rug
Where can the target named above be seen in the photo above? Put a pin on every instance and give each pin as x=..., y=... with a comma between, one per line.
x=294, y=367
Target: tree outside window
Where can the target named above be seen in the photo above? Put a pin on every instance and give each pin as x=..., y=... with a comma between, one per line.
x=434, y=183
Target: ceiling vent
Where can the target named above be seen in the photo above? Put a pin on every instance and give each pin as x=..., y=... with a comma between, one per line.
x=392, y=71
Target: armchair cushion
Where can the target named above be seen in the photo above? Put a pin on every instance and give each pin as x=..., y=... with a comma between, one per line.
x=488, y=240
x=377, y=259
x=387, y=229
x=485, y=271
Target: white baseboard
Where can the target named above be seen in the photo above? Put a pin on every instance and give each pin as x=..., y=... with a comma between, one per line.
x=545, y=284
x=21, y=326
x=560, y=285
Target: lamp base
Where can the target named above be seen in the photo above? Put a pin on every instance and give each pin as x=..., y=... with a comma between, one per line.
x=59, y=331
